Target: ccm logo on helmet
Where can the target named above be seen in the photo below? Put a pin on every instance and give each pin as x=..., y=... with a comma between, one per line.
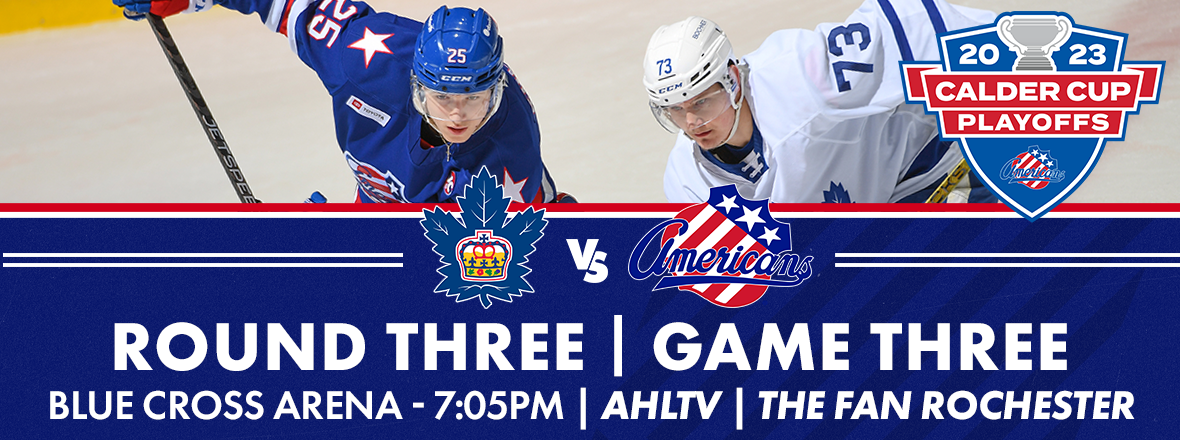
x=454, y=78
x=670, y=88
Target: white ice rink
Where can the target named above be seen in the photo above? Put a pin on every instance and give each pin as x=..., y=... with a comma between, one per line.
x=95, y=114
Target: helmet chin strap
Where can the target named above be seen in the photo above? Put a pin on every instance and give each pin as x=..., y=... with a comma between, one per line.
x=737, y=116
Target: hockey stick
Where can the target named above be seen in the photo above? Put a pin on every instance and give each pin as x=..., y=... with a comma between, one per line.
x=952, y=179
x=236, y=178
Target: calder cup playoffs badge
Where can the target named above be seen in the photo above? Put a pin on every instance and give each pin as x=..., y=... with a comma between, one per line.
x=1032, y=100
x=728, y=251
x=483, y=251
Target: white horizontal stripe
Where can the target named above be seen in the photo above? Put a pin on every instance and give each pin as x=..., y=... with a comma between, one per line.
x=983, y=265
x=197, y=255
x=202, y=265
x=1005, y=255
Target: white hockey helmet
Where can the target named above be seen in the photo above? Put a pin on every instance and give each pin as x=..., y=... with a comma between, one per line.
x=683, y=60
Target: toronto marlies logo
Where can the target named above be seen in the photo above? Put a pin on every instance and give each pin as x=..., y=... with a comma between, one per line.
x=728, y=250
x=483, y=251
x=1032, y=82
x=1034, y=168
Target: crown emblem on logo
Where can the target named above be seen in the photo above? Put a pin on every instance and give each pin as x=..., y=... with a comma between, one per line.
x=483, y=257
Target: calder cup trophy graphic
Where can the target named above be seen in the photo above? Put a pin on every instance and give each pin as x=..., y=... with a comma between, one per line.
x=1034, y=37
x=1030, y=84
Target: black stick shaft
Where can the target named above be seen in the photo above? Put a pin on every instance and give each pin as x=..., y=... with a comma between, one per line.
x=203, y=114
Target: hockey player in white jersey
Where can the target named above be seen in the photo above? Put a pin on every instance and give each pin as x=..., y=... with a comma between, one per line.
x=810, y=116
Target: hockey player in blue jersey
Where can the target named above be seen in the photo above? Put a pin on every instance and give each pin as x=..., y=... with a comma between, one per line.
x=810, y=116
x=419, y=107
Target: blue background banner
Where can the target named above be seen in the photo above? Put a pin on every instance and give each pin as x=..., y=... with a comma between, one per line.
x=1117, y=302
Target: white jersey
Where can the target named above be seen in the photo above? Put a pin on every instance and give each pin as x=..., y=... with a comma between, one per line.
x=830, y=113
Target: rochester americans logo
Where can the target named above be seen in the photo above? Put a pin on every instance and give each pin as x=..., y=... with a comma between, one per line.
x=483, y=251
x=728, y=251
x=1031, y=83
x=1034, y=168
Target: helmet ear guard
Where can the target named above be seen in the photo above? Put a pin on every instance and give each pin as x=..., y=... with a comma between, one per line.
x=418, y=95
x=733, y=85
x=497, y=96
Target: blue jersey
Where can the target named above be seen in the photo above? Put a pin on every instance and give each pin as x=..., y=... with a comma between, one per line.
x=364, y=59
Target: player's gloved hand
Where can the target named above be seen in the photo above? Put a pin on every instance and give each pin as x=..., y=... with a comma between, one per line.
x=564, y=198
x=138, y=9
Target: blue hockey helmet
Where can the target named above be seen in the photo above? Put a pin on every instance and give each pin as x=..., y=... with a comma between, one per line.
x=458, y=72
x=459, y=51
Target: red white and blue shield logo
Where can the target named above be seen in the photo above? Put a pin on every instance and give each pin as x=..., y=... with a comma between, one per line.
x=1030, y=84
x=1034, y=168
x=728, y=251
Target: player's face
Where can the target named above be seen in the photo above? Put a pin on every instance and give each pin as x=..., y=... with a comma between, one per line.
x=706, y=118
x=458, y=115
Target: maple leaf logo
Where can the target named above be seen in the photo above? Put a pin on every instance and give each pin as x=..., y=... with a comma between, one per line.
x=483, y=252
x=837, y=194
